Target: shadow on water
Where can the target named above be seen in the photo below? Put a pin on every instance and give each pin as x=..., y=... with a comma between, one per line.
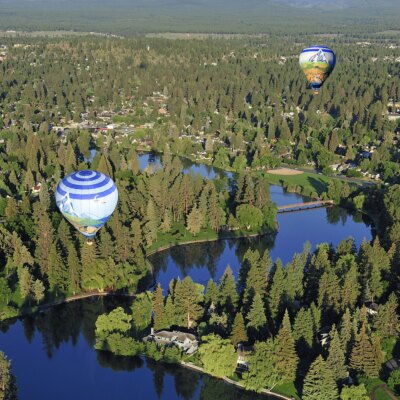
x=119, y=363
x=58, y=345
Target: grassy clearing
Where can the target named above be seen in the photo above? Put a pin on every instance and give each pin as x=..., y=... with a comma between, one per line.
x=287, y=389
x=376, y=392
x=308, y=181
x=180, y=235
x=380, y=394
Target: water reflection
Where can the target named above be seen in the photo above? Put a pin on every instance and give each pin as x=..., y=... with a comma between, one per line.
x=53, y=358
x=202, y=261
x=153, y=161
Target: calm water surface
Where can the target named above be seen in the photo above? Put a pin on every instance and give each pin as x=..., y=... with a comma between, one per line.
x=53, y=359
x=204, y=260
x=53, y=355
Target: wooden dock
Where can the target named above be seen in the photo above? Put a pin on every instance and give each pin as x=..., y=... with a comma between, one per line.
x=304, y=206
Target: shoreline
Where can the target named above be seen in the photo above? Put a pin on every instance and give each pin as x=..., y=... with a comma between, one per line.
x=171, y=245
x=200, y=370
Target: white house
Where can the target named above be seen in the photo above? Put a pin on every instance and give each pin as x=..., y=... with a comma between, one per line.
x=185, y=341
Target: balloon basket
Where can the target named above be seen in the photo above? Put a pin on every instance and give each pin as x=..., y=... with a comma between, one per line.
x=89, y=242
x=316, y=92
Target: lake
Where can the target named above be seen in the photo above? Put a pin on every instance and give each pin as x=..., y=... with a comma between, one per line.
x=53, y=355
x=53, y=358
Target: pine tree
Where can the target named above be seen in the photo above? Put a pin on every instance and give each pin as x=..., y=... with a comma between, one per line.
x=44, y=237
x=166, y=224
x=386, y=321
x=215, y=214
x=158, y=308
x=25, y=283
x=319, y=383
x=363, y=357
x=57, y=274
x=187, y=298
x=151, y=224
x=256, y=316
x=329, y=291
x=303, y=331
x=106, y=243
x=211, y=296
x=194, y=221
x=74, y=269
x=104, y=166
x=44, y=195
x=218, y=356
x=256, y=280
x=276, y=293
x=228, y=296
x=287, y=358
x=350, y=288
x=294, y=278
x=262, y=371
x=170, y=319
x=336, y=360
x=346, y=332
x=11, y=211
x=238, y=334
x=38, y=290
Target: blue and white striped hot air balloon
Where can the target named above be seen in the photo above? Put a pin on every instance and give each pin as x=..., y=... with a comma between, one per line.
x=87, y=199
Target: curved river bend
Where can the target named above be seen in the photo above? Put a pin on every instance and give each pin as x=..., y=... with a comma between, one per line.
x=53, y=355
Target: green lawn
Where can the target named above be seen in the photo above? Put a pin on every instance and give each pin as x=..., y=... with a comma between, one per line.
x=380, y=394
x=179, y=235
x=308, y=181
x=287, y=389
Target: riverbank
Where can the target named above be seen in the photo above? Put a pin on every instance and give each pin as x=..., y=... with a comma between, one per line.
x=31, y=310
x=232, y=382
x=218, y=236
x=190, y=365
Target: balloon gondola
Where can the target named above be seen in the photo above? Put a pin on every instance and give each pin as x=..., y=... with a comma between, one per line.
x=317, y=63
x=87, y=199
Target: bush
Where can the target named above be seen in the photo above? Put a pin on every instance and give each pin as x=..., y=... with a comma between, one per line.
x=151, y=349
x=123, y=346
x=172, y=355
x=394, y=381
x=353, y=173
x=354, y=393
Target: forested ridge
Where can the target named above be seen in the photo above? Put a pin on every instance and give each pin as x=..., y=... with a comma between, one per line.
x=254, y=16
x=239, y=105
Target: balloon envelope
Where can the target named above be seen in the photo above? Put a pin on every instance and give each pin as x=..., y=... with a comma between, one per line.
x=87, y=199
x=317, y=62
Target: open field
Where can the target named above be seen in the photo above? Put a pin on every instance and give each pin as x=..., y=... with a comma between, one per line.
x=309, y=182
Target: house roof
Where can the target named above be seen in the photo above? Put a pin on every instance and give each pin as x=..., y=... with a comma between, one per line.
x=175, y=336
x=392, y=364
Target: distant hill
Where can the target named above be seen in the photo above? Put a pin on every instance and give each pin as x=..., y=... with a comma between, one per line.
x=242, y=16
x=339, y=4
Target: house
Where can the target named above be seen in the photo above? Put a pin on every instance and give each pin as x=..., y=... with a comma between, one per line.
x=366, y=154
x=185, y=341
x=242, y=361
x=323, y=336
x=36, y=188
x=392, y=364
x=324, y=339
x=163, y=111
x=372, y=308
x=334, y=167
